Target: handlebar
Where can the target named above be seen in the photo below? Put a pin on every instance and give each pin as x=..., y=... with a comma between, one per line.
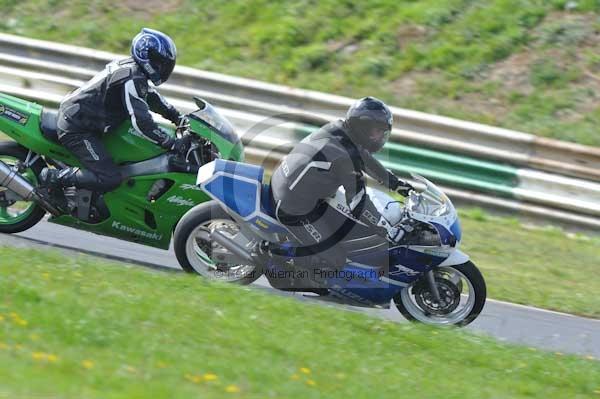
x=183, y=127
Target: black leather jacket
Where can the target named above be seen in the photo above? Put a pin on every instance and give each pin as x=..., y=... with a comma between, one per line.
x=120, y=92
x=318, y=166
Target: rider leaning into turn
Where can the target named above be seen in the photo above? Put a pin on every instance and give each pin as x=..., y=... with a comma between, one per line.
x=121, y=91
x=338, y=154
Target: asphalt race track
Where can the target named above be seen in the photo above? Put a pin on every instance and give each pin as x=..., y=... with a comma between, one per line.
x=508, y=322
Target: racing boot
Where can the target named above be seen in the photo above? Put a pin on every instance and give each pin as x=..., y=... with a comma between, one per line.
x=68, y=177
x=58, y=185
x=56, y=179
x=51, y=184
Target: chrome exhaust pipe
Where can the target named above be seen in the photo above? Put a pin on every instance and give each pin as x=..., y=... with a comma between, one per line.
x=12, y=180
x=232, y=246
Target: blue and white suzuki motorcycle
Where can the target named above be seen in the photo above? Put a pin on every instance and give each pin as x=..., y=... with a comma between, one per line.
x=427, y=277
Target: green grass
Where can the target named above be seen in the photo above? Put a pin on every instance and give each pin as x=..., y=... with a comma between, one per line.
x=73, y=327
x=530, y=65
x=543, y=267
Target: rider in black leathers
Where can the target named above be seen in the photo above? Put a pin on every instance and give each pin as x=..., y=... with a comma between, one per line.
x=338, y=154
x=120, y=92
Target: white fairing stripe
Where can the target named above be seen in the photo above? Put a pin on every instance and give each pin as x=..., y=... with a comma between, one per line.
x=130, y=90
x=314, y=164
x=457, y=257
x=393, y=282
x=205, y=172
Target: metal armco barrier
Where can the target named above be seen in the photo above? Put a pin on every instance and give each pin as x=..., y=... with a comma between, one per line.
x=448, y=134
x=469, y=158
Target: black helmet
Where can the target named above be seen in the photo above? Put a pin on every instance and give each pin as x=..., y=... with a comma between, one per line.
x=369, y=123
x=155, y=53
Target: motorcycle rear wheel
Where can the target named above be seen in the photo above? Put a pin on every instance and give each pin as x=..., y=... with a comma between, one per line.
x=17, y=216
x=464, y=279
x=194, y=249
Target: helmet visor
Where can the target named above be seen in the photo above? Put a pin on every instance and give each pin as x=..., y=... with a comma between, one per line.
x=166, y=69
x=163, y=64
x=377, y=138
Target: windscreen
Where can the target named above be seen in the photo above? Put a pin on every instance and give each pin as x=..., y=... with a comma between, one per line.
x=208, y=115
x=432, y=201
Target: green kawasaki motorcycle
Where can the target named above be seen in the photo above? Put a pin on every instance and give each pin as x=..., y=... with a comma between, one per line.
x=158, y=186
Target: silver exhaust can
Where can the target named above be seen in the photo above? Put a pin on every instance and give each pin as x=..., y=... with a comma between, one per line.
x=231, y=246
x=12, y=180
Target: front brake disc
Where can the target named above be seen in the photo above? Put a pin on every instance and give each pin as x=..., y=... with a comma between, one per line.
x=449, y=295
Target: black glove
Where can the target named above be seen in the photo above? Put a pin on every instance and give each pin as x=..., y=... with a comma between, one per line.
x=404, y=188
x=166, y=139
x=182, y=145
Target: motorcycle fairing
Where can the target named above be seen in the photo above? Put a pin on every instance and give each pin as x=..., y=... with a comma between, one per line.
x=207, y=115
x=456, y=230
x=406, y=263
x=447, y=237
x=239, y=188
x=363, y=285
x=133, y=216
x=405, y=266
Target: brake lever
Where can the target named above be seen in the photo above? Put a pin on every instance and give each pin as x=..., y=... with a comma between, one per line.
x=193, y=147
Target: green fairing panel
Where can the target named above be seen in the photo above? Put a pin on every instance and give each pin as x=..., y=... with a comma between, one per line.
x=28, y=133
x=124, y=143
x=209, y=123
x=133, y=216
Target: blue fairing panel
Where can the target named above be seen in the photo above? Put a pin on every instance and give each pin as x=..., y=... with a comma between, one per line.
x=238, y=186
x=456, y=230
x=361, y=284
x=265, y=200
x=238, y=195
x=447, y=237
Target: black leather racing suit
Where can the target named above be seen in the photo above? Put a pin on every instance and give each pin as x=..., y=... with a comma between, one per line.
x=120, y=92
x=312, y=172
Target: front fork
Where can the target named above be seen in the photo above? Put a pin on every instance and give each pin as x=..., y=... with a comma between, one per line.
x=430, y=276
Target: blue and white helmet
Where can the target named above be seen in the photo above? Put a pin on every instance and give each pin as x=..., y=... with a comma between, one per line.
x=155, y=53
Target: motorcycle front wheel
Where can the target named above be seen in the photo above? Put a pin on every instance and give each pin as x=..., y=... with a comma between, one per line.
x=197, y=253
x=462, y=290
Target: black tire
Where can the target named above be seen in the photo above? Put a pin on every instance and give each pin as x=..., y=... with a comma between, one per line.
x=13, y=149
x=196, y=216
x=472, y=273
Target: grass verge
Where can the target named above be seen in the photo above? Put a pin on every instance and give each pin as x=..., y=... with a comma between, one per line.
x=76, y=327
x=529, y=65
x=543, y=267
